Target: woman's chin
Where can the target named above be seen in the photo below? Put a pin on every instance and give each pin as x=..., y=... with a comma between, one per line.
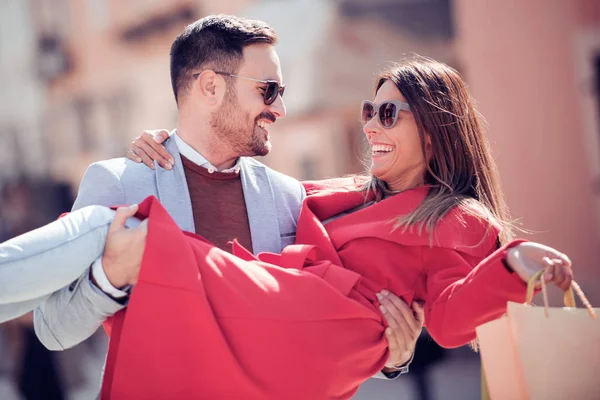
x=378, y=173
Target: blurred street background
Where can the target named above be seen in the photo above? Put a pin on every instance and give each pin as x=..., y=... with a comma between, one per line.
x=79, y=79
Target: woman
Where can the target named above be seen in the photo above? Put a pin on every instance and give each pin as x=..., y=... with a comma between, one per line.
x=427, y=226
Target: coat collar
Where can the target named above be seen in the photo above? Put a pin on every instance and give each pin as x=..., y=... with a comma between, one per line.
x=458, y=230
x=261, y=207
x=173, y=191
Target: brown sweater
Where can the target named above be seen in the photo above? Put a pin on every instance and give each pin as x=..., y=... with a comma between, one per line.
x=218, y=205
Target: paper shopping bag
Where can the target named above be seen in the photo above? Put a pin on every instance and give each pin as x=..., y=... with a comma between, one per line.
x=541, y=353
x=499, y=360
x=558, y=356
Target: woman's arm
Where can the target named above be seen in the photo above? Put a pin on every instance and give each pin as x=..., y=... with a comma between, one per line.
x=463, y=294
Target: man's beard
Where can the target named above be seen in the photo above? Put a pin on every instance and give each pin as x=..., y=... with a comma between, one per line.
x=236, y=129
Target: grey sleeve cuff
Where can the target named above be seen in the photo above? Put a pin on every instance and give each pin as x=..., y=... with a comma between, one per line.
x=101, y=301
x=402, y=369
x=73, y=314
x=104, y=284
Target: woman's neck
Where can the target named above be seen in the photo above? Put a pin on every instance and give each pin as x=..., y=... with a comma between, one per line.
x=390, y=190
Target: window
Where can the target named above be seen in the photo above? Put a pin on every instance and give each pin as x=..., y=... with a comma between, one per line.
x=98, y=14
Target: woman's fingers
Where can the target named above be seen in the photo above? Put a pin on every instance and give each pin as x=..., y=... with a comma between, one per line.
x=559, y=272
x=159, y=136
x=148, y=148
x=152, y=154
x=154, y=140
x=133, y=156
x=548, y=269
x=141, y=154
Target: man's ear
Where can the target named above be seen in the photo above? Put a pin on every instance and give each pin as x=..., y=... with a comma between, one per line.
x=210, y=86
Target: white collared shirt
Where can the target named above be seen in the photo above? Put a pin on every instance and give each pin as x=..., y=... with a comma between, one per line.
x=188, y=152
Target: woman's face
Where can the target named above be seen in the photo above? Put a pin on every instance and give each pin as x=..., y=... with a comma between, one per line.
x=397, y=157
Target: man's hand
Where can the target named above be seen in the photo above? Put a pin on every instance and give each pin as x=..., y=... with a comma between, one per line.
x=148, y=148
x=124, y=249
x=404, y=327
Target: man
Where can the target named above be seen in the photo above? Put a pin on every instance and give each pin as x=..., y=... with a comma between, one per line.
x=226, y=79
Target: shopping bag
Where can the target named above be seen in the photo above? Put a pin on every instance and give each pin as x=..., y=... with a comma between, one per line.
x=541, y=352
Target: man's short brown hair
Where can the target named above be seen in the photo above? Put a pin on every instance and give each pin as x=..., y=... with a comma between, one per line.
x=216, y=41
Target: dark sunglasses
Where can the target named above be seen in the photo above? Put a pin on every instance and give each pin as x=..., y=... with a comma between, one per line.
x=270, y=92
x=388, y=112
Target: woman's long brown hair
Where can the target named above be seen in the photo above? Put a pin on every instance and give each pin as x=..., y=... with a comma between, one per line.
x=461, y=169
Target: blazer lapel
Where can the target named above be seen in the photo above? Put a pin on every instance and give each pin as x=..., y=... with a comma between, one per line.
x=173, y=191
x=260, y=204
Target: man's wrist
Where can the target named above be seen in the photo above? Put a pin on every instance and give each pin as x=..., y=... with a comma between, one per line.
x=393, y=371
x=407, y=362
x=100, y=279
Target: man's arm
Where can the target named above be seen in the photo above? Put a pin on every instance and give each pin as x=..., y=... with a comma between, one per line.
x=73, y=314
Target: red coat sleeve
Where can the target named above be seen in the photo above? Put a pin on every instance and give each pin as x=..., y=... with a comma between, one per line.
x=462, y=294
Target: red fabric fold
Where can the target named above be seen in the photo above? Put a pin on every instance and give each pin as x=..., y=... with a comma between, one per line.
x=305, y=324
x=203, y=323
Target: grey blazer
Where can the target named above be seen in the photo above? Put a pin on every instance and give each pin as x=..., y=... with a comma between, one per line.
x=273, y=201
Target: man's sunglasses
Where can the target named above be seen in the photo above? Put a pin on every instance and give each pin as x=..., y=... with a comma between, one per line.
x=387, y=111
x=271, y=91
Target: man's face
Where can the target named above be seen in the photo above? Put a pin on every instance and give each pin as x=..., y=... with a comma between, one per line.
x=243, y=119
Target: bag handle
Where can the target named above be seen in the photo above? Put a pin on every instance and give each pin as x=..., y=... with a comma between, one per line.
x=568, y=298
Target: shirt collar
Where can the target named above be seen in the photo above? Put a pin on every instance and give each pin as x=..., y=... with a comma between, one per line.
x=188, y=152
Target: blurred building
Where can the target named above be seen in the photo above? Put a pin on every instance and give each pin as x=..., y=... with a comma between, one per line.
x=22, y=98
x=330, y=54
x=81, y=78
x=534, y=68
x=110, y=78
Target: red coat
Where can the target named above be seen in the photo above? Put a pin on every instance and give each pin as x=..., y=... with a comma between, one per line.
x=202, y=323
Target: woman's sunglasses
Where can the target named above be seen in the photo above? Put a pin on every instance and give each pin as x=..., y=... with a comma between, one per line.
x=271, y=91
x=387, y=112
